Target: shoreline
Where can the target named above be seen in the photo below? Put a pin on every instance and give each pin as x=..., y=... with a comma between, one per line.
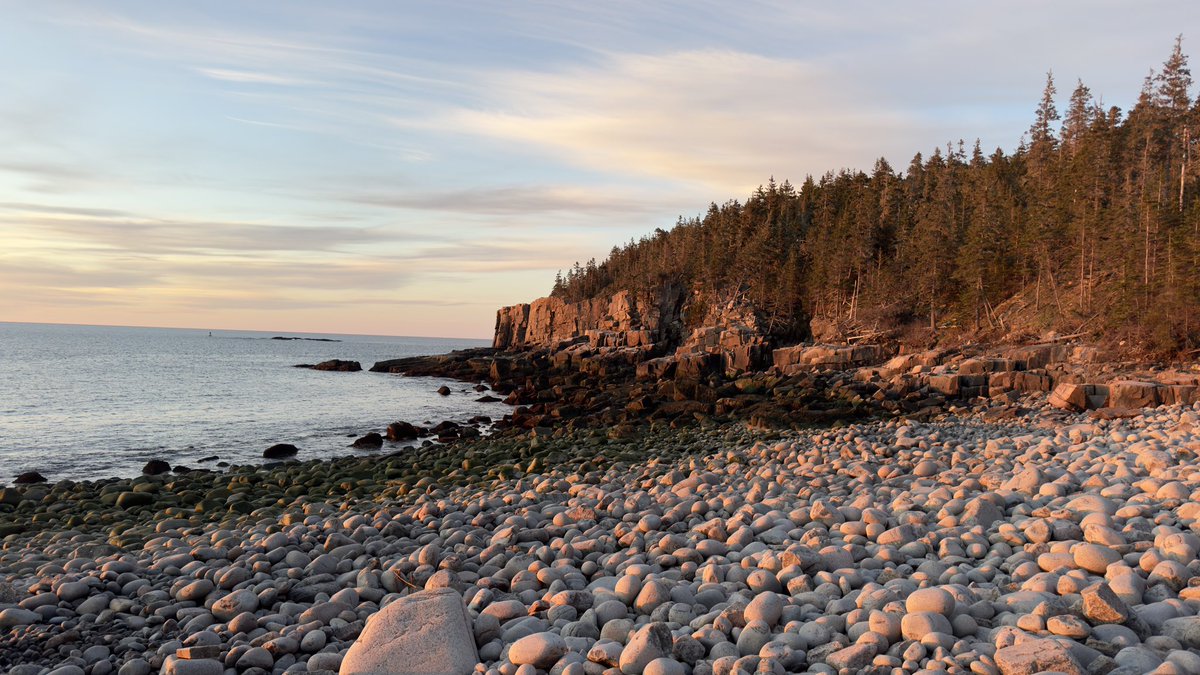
x=984, y=531
x=87, y=403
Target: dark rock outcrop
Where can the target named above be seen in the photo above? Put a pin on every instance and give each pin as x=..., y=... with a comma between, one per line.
x=369, y=442
x=462, y=364
x=403, y=431
x=334, y=365
x=29, y=478
x=281, y=451
x=156, y=467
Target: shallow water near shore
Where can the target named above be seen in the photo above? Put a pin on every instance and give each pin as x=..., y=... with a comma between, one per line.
x=88, y=402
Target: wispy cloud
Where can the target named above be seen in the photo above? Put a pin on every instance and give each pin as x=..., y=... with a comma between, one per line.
x=722, y=118
x=274, y=125
x=150, y=235
x=518, y=200
x=59, y=210
x=250, y=77
x=47, y=176
x=76, y=249
x=277, y=57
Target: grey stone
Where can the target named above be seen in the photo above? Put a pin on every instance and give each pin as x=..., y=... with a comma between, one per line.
x=652, y=641
x=256, y=657
x=540, y=650
x=427, y=632
x=855, y=657
x=177, y=666
x=1185, y=629
x=1037, y=656
x=70, y=591
x=15, y=616
x=235, y=603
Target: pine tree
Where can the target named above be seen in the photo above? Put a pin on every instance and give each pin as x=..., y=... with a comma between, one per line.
x=1173, y=97
x=1042, y=131
x=1080, y=113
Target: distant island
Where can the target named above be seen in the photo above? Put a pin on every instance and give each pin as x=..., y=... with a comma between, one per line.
x=278, y=337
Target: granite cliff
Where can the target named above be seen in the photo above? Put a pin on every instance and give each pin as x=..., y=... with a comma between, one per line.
x=668, y=324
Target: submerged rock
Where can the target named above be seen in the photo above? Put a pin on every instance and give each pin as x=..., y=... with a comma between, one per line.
x=403, y=431
x=281, y=451
x=370, y=441
x=29, y=478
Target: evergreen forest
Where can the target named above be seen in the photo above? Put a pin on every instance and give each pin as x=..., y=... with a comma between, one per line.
x=1090, y=226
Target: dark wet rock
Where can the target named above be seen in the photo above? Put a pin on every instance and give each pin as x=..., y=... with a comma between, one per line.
x=403, y=431
x=128, y=500
x=458, y=364
x=488, y=399
x=370, y=441
x=155, y=467
x=446, y=426
x=29, y=478
x=444, y=390
x=334, y=365
x=281, y=451
x=210, y=458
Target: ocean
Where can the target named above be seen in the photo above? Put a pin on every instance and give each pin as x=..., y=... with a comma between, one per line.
x=90, y=402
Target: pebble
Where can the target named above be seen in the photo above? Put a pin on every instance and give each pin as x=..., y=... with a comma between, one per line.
x=15, y=616
x=235, y=603
x=540, y=650
x=70, y=591
x=934, y=600
x=256, y=657
x=652, y=641
x=664, y=666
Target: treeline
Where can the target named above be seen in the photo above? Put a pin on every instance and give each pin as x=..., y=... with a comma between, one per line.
x=1091, y=225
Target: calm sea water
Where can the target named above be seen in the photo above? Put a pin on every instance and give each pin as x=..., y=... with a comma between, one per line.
x=86, y=402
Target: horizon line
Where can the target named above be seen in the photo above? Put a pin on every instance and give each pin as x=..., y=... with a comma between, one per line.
x=232, y=330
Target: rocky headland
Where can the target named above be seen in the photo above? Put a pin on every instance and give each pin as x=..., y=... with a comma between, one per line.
x=674, y=358
x=663, y=500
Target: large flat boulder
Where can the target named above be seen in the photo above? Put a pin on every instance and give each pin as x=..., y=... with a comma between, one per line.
x=1038, y=656
x=426, y=633
x=1069, y=396
x=947, y=384
x=1132, y=394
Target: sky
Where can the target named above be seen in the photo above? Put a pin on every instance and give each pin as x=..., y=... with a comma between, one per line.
x=404, y=168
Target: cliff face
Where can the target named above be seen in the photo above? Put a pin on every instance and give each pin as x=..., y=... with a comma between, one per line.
x=707, y=333
x=623, y=320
